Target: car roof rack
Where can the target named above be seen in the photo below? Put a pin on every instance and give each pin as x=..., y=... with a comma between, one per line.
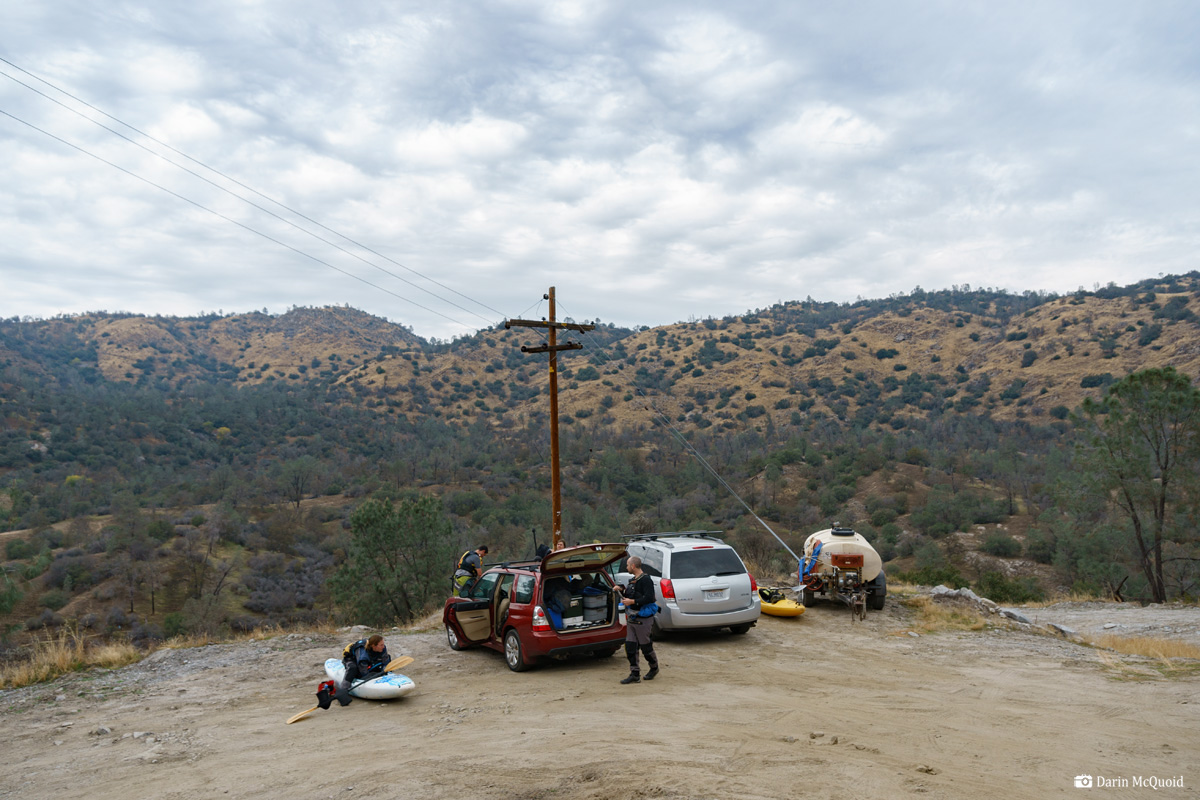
x=665, y=535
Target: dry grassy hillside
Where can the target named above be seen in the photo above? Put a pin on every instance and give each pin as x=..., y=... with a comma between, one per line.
x=1071, y=339
x=257, y=347
x=712, y=372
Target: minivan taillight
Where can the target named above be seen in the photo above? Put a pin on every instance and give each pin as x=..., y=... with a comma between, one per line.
x=668, y=591
x=540, y=622
x=753, y=584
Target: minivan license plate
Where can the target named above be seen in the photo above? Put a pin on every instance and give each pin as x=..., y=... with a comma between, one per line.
x=714, y=594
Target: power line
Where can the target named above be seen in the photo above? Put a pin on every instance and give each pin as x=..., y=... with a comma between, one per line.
x=248, y=188
x=255, y=205
x=228, y=219
x=648, y=405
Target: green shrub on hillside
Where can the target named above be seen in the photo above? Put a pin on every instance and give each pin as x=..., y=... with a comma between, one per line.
x=54, y=599
x=1040, y=546
x=883, y=516
x=1001, y=545
x=10, y=595
x=160, y=530
x=174, y=625
x=18, y=550
x=994, y=586
x=930, y=556
x=37, y=566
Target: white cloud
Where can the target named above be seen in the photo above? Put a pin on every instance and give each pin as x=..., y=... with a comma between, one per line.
x=825, y=131
x=478, y=140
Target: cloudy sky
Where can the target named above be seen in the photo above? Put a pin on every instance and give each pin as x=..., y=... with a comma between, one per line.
x=655, y=161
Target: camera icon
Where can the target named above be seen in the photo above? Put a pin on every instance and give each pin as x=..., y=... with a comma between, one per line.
x=1083, y=781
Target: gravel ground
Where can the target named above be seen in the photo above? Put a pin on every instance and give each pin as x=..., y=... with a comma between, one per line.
x=816, y=706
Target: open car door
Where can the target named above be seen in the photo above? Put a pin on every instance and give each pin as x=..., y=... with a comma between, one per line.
x=473, y=615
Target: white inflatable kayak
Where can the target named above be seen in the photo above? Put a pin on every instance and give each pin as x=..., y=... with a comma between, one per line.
x=388, y=686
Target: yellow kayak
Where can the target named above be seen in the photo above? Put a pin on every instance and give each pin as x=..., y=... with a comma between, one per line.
x=775, y=604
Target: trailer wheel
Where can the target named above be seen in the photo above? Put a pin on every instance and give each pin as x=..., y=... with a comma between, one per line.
x=808, y=598
x=877, y=593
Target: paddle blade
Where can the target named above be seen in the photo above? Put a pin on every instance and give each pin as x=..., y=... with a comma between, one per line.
x=397, y=663
x=302, y=715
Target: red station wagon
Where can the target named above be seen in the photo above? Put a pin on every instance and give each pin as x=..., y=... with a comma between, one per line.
x=562, y=605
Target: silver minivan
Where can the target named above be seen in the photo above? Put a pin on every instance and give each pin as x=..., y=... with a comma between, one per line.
x=699, y=581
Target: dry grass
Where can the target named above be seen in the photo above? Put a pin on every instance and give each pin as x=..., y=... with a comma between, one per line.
x=1069, y=597
x=257, y=635
x=1120, y=669
x=902, y=589
x=934, y=617
x=1168, y=658
x=67, y=652
x=1150, y=647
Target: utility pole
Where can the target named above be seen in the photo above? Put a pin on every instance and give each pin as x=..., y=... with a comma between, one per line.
x=553, y=349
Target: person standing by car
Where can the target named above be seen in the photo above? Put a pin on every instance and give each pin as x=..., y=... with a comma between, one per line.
x=639, y=595
x=467, y=570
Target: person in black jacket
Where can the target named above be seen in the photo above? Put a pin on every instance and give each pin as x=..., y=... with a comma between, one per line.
x=366, y=658
x=638, y=594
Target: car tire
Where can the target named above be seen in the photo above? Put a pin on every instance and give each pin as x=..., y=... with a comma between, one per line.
x=739, y=629
x=656, y=631
x=452, y=638
x=514, y=654
x=877, y=593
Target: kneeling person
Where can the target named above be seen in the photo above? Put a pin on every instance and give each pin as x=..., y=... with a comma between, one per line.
x=366, y=658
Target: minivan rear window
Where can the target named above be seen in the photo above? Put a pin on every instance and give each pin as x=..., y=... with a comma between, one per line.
x=703, y=563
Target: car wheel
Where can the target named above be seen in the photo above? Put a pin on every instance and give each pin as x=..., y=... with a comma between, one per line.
x=656, y=630
x=513, y=655
x=452, y=638
x=739, y=629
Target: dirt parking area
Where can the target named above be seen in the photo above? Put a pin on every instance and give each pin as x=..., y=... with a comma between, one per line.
x=813, y=707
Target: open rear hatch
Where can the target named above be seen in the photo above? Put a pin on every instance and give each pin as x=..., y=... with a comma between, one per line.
x=571, y=605
x=585, y=558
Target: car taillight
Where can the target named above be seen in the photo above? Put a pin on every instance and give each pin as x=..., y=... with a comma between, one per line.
x=668, y=591
x=753, y=584
x=540, y=623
